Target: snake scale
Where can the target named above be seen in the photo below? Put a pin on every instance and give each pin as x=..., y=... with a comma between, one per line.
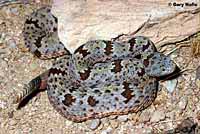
x=100, y=78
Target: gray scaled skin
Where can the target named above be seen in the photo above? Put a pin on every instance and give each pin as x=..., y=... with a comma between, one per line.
x=100, y=78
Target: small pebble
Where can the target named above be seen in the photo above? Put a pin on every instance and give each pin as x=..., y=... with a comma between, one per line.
x=198, y=115
x=12, y=44
x=187, y=126
x=11, y=114
x=107, y=131
x=171, y=114
x=145, y=116
x=123, y=118
x=93, y=124
x=113, y=117
x=198, y=73
x=33, y=66
x=114, y=123
x=3, y=51
x=14, y=11
x=171, y=85
x=183, y=103
x=198, y=77
x=147, y=131
x=12, y=122
x=105, y=122
x=158, y=116
x=3, y=104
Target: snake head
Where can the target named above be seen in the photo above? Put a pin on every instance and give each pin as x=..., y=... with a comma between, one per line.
x=160, y=65
x=40, y=34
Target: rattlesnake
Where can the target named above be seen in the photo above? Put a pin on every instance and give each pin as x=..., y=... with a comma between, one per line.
x=100, y=78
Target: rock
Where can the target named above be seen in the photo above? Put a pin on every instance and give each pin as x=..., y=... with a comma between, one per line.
x=93, y=124
x=98, y=19
x=158, y=116
x=123, y=118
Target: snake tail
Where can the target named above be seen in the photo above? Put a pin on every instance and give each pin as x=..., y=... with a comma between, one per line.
x=37, y=84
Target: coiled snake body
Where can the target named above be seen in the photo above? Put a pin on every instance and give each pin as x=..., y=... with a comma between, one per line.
x=100, y=78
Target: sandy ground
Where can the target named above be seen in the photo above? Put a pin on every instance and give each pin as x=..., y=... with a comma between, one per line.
x=17, y=66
